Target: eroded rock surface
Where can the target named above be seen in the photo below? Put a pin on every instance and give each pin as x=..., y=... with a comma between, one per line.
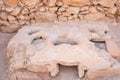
x=40, y=48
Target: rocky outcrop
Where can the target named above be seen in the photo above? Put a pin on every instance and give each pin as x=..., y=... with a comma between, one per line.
x=40, y=48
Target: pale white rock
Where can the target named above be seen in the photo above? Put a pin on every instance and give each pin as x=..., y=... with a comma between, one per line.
x=9, y=9
x=73, y=10
x=41, y=47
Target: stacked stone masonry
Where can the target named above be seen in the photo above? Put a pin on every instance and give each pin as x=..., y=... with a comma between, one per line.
x=16, y=13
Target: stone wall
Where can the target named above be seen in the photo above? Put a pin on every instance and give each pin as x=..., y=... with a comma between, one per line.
x=16, y=13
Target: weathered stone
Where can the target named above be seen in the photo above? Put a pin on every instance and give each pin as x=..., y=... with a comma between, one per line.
x=11, y=3
x=25, y=11
x=41, y=48
x=11, y=18
x=94, y=17
x=51, y=2
x=16, y=11
x=42, y=9
x=3, y=15
x=53, y=9
x=73, y=10
x=9, y=9
x=106, y=3
x=93, y=10
x=31, y=3
x=61, y=9
x=62, y=18
x=77, y=2
x=10, y=28
x=39, y=16
x=59, y=3
x=66, y=14
x=84, y=8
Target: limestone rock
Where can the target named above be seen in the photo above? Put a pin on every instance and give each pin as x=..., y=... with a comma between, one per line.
x=11, y=3
x=73, y=10
x=31, y=3
x=3, y=15
x=16, y=11
x=77, y=2
x=94, y=16
x=45, y=16
x=40, y=48
x=107, y=3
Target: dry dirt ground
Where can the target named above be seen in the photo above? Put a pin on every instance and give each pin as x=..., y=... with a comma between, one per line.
x=66, y=73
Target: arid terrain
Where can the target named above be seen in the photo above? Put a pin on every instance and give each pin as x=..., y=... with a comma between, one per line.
x=66, y=73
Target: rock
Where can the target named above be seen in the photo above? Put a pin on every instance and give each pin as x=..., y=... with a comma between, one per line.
x=51, y=2
x=42, y=9
x=84, y=8
x=11, y=3
x=106, y=3
x=77, y=2
x=53, y=9
x=11, y=18
x=4, y=23
x=10, y=28
x=9, y=9
x=39, y=16
x=59, y=3
x=112, y=10
x=30, y=3
x=94, y=17
x=47, y=45
x=16, y=11
x=25, y=11
x=61, y=9
x=62, y=18
x=93, y=9
x=66, y=14
x=73, y=10
x=3, y=15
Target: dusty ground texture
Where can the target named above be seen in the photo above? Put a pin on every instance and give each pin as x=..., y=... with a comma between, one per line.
x=66, y=73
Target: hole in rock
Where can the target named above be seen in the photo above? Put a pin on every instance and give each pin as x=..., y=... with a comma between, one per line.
x=38, y=40
x=65, y=41
x=100, y=44
x=67, y=73
x=33, y=32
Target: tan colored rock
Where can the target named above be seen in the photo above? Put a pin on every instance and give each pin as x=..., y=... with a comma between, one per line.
x=94, y=17
x=62, y=18
x=53, y=9
x=76, y=2
x=31, y=3
x=51, y=2
x=25, y=11
x=84, y=8
x=93, y=9
x=66, y=14
x=11, y=18
x=11, y=3
x=59, y=3
x=107, y=3
x=16, y=11
x=61, y=9
x=42, y=9
x=10, y=28
x=9, y=9
x=40, y=48
x=73, y=10
x=3, y=15
x=45, y=16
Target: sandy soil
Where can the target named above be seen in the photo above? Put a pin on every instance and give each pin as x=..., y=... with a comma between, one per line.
x=66, y=73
